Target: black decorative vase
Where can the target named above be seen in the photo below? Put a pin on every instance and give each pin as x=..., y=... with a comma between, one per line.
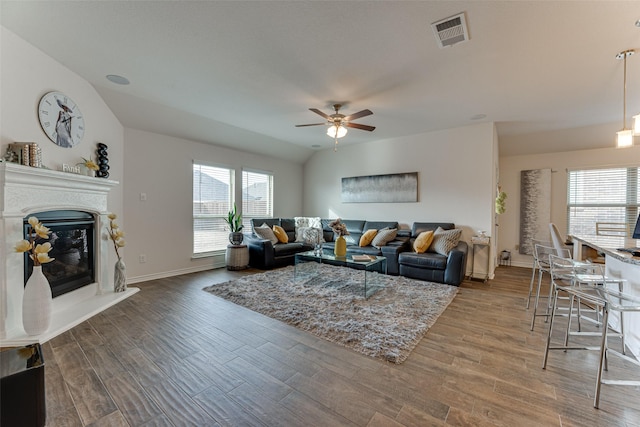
x=102, y=160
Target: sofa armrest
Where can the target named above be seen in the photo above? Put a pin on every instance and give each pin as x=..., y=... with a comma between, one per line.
x=456, y=264
x=261, y=253
x=391, y=253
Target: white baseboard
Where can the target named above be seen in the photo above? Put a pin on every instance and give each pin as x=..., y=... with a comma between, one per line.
x=165, y=274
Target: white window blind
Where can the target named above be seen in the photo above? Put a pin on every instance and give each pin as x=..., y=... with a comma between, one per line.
x=602, y=195
x=257, y=196
x=212, y=200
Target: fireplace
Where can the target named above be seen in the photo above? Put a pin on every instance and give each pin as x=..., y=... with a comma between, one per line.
x=81, y=209
x=72, y=239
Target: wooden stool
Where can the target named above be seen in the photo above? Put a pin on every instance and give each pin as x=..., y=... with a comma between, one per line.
x=237, y=257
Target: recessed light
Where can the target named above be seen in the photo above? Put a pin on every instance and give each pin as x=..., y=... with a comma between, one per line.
x=478, y=117
x=638, y=23
x=119, y=80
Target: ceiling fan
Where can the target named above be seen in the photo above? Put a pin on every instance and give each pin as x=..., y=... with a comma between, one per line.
x=338, y=123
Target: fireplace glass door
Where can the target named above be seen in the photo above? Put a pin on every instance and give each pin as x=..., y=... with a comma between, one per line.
x=73, y=240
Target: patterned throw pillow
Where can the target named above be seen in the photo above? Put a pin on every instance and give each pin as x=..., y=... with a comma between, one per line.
x=445, y=240
x=280, y=234
x=423, y=241
x=384, y=236
x=306, y=221
x=266, y=233
x=310, y=235
x=367, y=237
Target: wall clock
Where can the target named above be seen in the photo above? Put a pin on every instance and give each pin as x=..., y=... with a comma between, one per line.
x=61, y=119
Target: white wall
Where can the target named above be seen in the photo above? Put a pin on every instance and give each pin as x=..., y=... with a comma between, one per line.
x=26, y=74
x=510, y=167
x=456, y=178
x=161, y=226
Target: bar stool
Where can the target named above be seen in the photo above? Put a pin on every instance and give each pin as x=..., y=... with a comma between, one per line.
x=534, y=267
x=592, y=288
x=541, y=257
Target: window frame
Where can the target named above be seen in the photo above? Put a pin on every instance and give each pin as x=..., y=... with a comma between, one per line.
x=630, y=206
x=247, y=217
x=222, y=215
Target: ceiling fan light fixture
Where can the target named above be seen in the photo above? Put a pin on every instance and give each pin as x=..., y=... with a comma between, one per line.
x=336, y=131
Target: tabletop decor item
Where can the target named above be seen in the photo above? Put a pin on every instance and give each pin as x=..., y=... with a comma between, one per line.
x=117, y=237
x=37, y=300
x=89, y=166
x=102, y=159
x=340, y=247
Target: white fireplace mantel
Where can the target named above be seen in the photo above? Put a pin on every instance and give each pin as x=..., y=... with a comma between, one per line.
x=26, y=190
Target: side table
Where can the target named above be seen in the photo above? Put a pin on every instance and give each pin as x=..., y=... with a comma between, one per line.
x=237, y=257
x=480, y=243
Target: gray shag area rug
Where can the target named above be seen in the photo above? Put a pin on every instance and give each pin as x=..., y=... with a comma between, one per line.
x=330, y=304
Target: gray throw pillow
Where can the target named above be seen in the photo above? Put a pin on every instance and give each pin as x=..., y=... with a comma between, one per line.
x=445, y=240
x=265, y=232
x=384, y=236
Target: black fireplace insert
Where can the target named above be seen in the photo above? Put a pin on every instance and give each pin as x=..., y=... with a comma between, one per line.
x=73, y=240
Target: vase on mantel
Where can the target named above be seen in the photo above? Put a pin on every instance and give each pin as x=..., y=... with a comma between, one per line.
x=36, y=303
x=120, y=277
x=340, y=247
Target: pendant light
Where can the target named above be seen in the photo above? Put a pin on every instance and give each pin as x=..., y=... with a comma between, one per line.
x=624, y=137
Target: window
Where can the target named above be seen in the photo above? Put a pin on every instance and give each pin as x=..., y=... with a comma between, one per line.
x=212, y=199
x=602, y=195
x=257, y=196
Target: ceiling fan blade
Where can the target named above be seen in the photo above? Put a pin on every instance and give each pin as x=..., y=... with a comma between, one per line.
x=359, y=126
x=311, y=124
x=315, y=110
x=359, y=114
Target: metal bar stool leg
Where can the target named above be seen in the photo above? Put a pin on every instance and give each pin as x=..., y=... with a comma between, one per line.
x=603, y=356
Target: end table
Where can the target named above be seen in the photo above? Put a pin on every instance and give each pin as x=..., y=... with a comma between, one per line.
x=237, y=257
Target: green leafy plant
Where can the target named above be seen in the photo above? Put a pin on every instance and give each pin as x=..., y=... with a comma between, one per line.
x=234, y=219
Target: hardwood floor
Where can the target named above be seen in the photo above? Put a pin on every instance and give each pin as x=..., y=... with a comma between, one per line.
x=173, y=355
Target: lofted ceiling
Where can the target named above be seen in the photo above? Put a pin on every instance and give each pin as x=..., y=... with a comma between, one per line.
x=244, y=73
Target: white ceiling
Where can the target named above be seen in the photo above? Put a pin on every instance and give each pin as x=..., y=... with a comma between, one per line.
x=243, y=73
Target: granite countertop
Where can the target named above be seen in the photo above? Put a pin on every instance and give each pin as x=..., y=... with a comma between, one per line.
x=609, y=246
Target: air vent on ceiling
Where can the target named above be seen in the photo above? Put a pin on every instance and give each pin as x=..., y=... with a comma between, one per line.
x=451, y=30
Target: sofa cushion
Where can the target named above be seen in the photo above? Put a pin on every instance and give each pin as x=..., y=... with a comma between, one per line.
x=426, y=260
x=384, y=236
x=419, y=227
x=306, y=221
x=422, y=242
x=266, y=233
x=367, y=237
x=284, y=249
x=445, y=240
x=280, y=234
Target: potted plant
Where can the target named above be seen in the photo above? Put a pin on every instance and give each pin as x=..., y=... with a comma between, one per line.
x=234, y=219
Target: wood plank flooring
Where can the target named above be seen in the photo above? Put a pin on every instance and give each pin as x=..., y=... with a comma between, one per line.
x=173, y=355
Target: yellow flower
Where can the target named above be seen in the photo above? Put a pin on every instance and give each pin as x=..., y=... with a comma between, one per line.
x=119, y=243
x=33, y=221
x=23, y=246
x=43, y=258
x=41, y=231
x=114, y=224
x=112, y=216
x=118, y=233
x=43, y=248
x=89, y=164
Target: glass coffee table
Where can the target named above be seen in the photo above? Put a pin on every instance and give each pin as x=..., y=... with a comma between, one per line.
x=373, y=267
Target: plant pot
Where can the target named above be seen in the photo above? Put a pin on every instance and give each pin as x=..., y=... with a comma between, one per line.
x=236, y=238
x=36, y=303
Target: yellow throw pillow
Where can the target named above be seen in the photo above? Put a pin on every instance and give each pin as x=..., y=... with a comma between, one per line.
x=367, y=237
x=423, y=241
x=280, y=234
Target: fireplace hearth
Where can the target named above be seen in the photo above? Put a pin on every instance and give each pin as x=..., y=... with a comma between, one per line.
x=27, y=191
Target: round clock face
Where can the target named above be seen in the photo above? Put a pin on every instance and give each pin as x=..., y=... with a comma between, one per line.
x=61, y=119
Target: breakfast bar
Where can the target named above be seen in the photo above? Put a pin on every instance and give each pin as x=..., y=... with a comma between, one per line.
x=620, y=265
